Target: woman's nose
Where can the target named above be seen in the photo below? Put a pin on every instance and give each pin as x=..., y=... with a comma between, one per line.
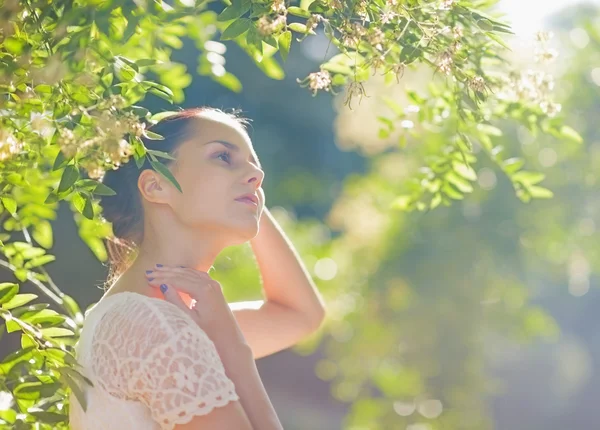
x=257, y=175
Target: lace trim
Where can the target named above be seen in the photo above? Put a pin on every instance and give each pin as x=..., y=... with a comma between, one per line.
x=204, y=407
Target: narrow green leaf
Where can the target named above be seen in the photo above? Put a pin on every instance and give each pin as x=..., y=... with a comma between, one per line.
x=7, y=291
x=88, y=209
x=72, y=308
x=39, y=261
x=162, y=169
x=511, y=165
x=230, y=81
x=152, y=136
x=56, y=332
x=103, y=190
x=528, y=178
x=69, y=177
x=162, y=115
x=285, y=43
x=540, y=192
x=19, y=300
x=570, y=134
x=236, y=10
x=293, y=10
x=236, y=28
x=9, y=204
x=161, y=154
x=300, y=28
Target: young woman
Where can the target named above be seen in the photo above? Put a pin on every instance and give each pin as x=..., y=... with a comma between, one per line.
x=162, y=347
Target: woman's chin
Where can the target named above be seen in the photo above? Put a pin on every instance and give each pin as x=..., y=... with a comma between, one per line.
x=244, y=234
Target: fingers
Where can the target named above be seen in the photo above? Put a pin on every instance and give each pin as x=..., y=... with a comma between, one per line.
x=186, y=280
x=171, y=296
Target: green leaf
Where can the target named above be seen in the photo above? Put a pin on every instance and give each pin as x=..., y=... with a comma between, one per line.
x=489, y=130
x=161, y=154
x=152, y=136
x=147, y=62
x=293, y=10
x=56, y=332
x=511, y=165
x=300, y=28
x=60, y=161
x=8, y=290
x=162, y=115
x=19, y=300
x=540, y=192
x=459, y=182
x=570, y=134
x=254, y=39
x=88, y=209
x=9, y=204
x=236, y=28
x=528, y=178
x=236, y=10
x=42, y=233
x=285, y=43
x=271, y=68
x=498, y=40
x=230, y=81
x=401, y=203
x=69, y=177
x=39, y=261
x=463, y=170
x=72, y=307
x=451, y=192
x=103, y=190
x=75, y=380
x=13, y=45
x=162, y=169
x=49, y=417
x=161, y=94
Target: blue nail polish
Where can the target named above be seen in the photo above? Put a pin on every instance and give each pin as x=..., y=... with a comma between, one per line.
x=149, y=271
x=159, y=265
x=163, y=288
x=151, y=279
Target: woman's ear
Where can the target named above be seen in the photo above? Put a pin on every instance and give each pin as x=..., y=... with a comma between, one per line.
x=153, y=186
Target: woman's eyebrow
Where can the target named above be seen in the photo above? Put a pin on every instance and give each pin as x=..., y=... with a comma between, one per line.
x=236, y=149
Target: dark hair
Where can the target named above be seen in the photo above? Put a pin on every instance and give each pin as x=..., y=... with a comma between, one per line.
x=124, y=210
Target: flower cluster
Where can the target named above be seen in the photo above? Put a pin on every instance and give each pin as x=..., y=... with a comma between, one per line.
x=534, y=87
x=543, y=53
x=9, y=145
x=317, y=81
x=531, y=87
x=278, y=6
x=267, y=25
x=107, y=147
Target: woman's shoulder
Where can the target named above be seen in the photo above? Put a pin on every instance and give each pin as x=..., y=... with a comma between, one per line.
x=132, y=313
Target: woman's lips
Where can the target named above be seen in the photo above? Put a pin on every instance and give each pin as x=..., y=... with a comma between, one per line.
x=247, y=201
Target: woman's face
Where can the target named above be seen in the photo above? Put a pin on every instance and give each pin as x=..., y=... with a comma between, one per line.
x=214, y=166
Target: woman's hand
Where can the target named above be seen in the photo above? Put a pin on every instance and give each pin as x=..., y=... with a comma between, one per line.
x=210, y=310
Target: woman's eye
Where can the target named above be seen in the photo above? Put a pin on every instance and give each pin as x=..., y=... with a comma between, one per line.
x=227, y=154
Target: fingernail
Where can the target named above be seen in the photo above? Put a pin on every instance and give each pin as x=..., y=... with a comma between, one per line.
x=159, y=265
x=163, y=288
x=151, y=279
x=183, y=267
x=148, y=272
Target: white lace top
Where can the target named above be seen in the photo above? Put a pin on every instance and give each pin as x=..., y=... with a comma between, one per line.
x=151, y=365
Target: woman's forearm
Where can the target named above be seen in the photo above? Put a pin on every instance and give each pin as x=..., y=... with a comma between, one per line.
x=241, y=369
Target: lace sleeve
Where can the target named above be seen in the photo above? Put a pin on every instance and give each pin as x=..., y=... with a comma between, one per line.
x=149, y=350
